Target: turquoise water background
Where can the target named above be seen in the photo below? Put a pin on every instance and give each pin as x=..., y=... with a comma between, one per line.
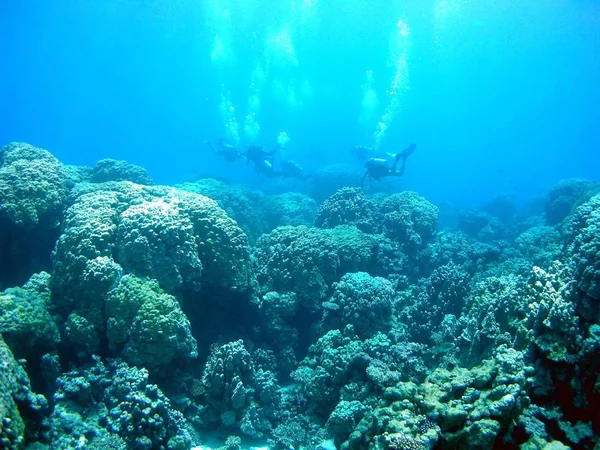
x=500, y=96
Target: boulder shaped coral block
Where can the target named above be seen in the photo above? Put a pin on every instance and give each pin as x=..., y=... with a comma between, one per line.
x=409, y=219
x=583, y=234
x=33, y=196
x=363, y=301
x=117, y=170
x=155, y=239
x=33, y=185
x=25, y=323
x=180, y=239
x=149, y=324
x=348, y=206
x=567, y=194
x=308, y=260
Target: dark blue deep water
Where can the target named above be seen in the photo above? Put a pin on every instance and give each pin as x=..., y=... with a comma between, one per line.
x=499, y=95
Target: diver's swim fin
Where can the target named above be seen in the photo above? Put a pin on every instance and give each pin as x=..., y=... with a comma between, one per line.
x=407, y=151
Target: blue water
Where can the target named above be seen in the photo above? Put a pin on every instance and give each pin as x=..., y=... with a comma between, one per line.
x=500, y=96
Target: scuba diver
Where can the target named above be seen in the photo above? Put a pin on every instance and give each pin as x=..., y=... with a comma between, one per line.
x=263, y=160
x=266, y=167
x=227, y=151
x=378, y=168
x=257, y=154
x=292, y=169
x=361, y=152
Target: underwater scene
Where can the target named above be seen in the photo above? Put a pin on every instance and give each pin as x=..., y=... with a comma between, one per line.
x=299, y=224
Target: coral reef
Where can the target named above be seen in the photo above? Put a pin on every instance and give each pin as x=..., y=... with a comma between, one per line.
x=583, y=246
x=34, y=189
x=147, y=325
x=348, y=206
x=169, y=318
x=409, y=219
x=180, y=239
x=307, y=261
x=21, y=409
x=567, y=194
x=329, y=179
x=117, y=170
x=26, y=324
x=362, y=300
x=114, y=403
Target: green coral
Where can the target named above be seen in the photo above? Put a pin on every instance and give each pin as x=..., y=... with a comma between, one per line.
x=178, y=238
x=308, y=260
x=349, y=206
x=33, y=186
x=148, y=324
x=12, y=428
x=471, y=407
x=583, y=246
x=361, y=300
x=26, y=324
x=409, y=219
x=18, y=404
x=155, y=239
x=118, y=170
